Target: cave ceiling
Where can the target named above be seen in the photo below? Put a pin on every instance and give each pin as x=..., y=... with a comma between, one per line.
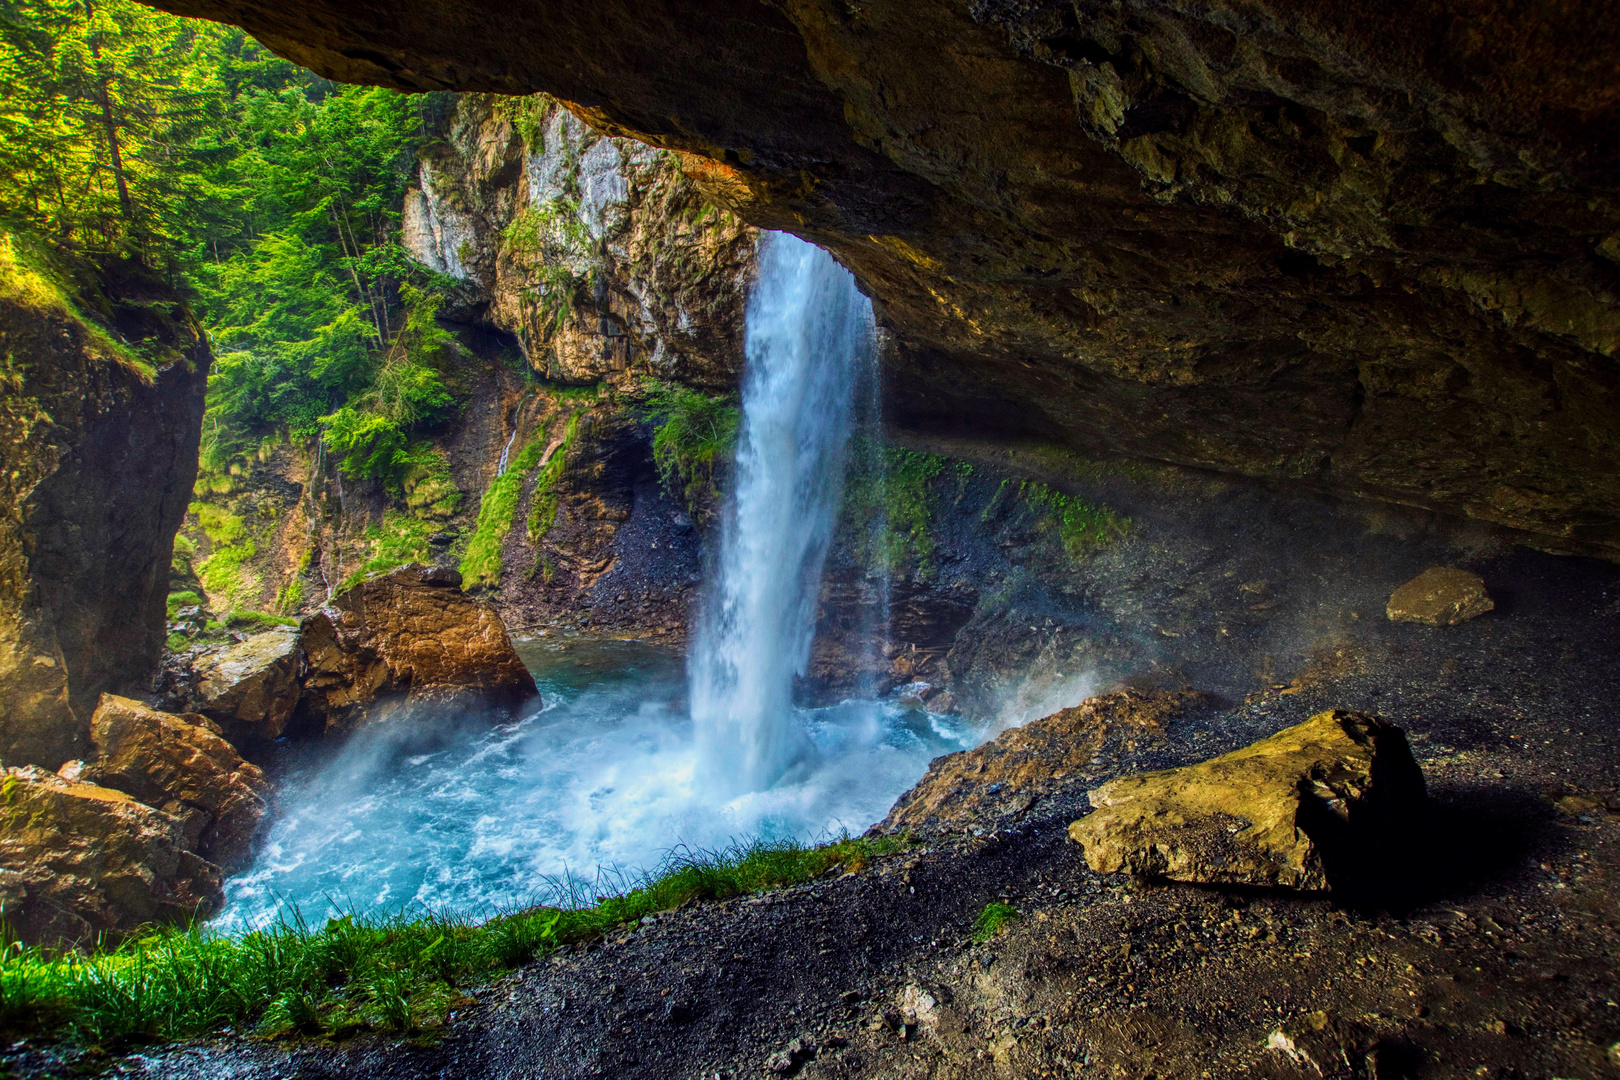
x=1369, y=246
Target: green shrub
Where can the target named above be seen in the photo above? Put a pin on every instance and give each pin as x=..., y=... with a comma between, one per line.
x=390, y=974
x=990, y=921
x=693, y=437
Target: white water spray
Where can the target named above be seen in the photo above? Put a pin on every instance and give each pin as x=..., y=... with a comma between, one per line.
x=809, y=333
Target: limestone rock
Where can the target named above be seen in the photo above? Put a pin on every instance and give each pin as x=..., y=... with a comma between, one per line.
x=1440, y=596
x=1009, y=774
x=410, y=642
x=77, y=860
x=251, y=687
x=1302, y=809
x=169, y=762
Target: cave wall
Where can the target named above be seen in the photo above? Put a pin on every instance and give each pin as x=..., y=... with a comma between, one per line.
x=1367, y=247
x=99, y=428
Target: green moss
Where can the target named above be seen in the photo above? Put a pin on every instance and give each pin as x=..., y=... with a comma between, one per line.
x=543, y=503
x=481, y=564
x=399, y=540
x=26, y=280
x=250, y=621
x=889, y=510
x=430, y=489
x=355, y=973
x=990, y=921
x=694, y=436
x=223, y=574
x=178, y=600
x=1080, y=526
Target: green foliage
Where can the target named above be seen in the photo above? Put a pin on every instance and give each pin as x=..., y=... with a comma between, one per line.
x=400, y=539
x=222, y=574
x=889, y=510
x=694, y=436
x=370, y=445
x=990, y=921
x=351, y=974
x=1080, y=527
x=430, y=489
x=178, y=600
x=528, y=116
x=481, y=564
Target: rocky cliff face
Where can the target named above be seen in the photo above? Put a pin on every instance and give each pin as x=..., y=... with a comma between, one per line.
x=578, y=267
x=99, y=426
x=1369, y=248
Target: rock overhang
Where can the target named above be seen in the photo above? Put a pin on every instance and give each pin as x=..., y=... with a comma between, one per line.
x=1367, y=248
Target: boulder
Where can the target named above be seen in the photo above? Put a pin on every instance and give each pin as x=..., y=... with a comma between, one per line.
x=410, y=643
x=1024, y=765
x=1312, y=807
x=1440, y=596
x=179, y=765
x=78, y=860
x=252, y=687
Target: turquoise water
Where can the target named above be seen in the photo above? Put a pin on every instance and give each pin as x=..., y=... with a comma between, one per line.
x=599, y=786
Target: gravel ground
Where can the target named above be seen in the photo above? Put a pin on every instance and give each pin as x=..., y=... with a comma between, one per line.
x=1500, y=959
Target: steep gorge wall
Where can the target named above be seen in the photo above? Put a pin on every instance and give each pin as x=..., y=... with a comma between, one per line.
x=575, y=268
x=1368, y=248
x=99, y=428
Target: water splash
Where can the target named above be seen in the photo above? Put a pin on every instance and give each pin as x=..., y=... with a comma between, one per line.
x=809, y=334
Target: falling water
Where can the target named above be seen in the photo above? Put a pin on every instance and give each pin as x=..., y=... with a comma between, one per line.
x=809, y=333
x=506, y=452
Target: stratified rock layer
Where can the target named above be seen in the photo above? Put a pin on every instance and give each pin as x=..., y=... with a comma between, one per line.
x=1299, y=810
x=1440, y=596
x=77, y=860
x=1370, y=247
x=410, y=642
x=180, y=766
x=97, y=459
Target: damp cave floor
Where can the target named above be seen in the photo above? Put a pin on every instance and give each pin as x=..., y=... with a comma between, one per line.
x=1503, y=961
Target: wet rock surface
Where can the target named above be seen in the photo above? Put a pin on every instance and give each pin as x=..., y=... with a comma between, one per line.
x=250, y=688
x=1440, y=596
x=78, y=860
x=406, y=642
x=182, y=765
x=1315, y=802
x=1495, y=959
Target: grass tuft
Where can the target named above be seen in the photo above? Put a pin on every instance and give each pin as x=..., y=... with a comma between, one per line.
x=990, y=921
x=391, y=974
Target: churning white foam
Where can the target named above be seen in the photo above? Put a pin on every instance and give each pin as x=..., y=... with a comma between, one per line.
x=605, y=777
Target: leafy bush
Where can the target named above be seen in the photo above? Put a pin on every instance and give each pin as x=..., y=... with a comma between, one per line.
x=694, y=437
x=353, y=973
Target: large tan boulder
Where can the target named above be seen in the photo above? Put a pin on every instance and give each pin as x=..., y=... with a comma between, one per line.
x=78, y=860
x=251, y=688
x=411, y=643
x=1308, y=808
x=1440, y=596
x=184, y=769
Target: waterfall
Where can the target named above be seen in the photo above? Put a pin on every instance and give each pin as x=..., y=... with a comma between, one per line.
x=506, y=451
x=809, y=334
